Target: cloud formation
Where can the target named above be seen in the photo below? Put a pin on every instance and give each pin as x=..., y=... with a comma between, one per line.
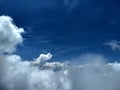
x=10, y=35
x=17, y=74
x=114, y=44
x=42, y=58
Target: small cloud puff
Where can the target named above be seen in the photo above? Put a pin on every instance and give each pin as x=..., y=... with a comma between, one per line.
x=42, y=58
x=114, y=44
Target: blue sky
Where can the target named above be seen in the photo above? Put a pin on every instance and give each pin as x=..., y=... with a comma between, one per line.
x=66, y=28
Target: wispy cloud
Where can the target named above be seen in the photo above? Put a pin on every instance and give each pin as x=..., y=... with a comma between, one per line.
x=71, y=3
x=114, y=44
x=65, y=50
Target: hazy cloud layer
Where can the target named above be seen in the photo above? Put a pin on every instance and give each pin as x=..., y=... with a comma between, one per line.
x=39, y=74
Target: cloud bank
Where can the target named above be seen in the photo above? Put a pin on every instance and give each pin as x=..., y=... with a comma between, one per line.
x=39, y=74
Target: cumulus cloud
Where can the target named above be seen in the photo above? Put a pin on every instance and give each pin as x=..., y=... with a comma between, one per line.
x=39, y=74
x=114, y=44
x=21, y=75
x=10, y=35
x=42, y=58
x=17, y=75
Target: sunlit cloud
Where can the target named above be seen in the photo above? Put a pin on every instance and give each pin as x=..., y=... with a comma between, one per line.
x=10, y=35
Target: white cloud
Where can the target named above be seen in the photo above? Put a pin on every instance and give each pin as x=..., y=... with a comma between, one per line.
x=42, y=58
x=16, y=74
x=56, y=66
x=10, y=35
x=114, y=44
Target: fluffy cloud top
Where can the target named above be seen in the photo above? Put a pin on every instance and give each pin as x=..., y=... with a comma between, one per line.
x=42, y=58
x=21, y=75
x=16, y=74
x=10, y=35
